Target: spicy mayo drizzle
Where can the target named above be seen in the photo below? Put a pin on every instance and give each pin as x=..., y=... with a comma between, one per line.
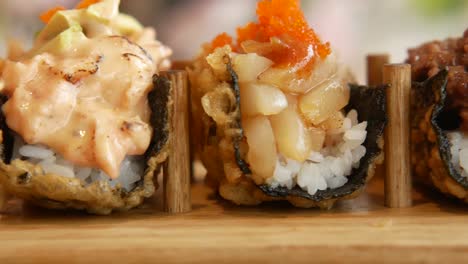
x=89, y=105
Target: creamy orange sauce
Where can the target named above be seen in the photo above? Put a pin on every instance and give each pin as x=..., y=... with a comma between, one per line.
x=89, y=105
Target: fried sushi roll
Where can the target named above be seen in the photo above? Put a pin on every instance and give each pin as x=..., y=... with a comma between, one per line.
x=81, y=119
x=440, y=115
x=278, y=118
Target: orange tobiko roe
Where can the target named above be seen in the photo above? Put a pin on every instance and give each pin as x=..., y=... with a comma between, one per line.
x=285, y=21
x=221, y=40
x=85, y=3
x=47, y=15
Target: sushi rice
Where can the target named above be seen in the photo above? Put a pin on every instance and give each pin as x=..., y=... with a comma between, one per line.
x=131, y=169
x=459, y=151
x=328, y=168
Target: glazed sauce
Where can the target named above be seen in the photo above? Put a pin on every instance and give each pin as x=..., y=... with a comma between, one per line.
x=282, y=24
x=89, y=105
x=428, y=59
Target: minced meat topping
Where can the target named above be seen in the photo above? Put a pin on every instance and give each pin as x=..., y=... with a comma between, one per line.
x=452, y=54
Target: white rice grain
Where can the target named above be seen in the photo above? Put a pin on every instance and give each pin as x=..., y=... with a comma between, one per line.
x=330, y=167
x=464, y=159
x=58, y=170
x=37, y=152
x=83, y=173
x=316, y=157
x=336, y=182
x=131, y=170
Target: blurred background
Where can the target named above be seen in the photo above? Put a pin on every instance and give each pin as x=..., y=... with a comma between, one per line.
x=355, y=28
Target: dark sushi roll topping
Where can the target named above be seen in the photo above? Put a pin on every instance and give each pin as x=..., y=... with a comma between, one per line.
x=451, y=54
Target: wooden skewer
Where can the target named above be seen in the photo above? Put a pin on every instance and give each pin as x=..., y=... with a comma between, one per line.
x=3, y=198
x=180, y=65
x=397, y=136
x=375, y=63
x=177, y=168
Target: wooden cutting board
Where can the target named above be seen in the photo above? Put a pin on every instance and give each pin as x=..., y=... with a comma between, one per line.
x=435, y=230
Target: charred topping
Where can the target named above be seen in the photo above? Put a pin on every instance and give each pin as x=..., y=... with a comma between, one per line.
x=133, y=43
x=128, y=55
x=129, y=126
x=79, y=74
x=23, y=178
x=370, y=103
x=87, y=68
x=239, y=137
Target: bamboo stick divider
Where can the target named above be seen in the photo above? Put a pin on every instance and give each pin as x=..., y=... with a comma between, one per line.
x=398, y=185
x=375, y=64
x=177, y=168
x=3, y=198
x=180, y=64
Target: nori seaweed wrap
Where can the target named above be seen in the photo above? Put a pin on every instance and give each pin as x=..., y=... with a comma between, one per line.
x=85, y=117
x=439, y=115
x=276, y=118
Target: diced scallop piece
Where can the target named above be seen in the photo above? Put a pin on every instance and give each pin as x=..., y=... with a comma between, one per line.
x=279, y=77
x=261, y=99
x=292, y=136
x=323, y=70
x=317, y=137
x=323, y=101
x=249, y=66
x=334, y=122
x=290, y=81
x=262, y=154
x=252, y=46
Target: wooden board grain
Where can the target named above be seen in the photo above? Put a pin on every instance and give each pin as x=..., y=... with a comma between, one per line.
x=435, y=230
